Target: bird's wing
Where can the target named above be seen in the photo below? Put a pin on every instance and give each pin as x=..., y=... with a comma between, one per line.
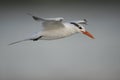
x=84, y=21
x=36, y=18
x=52, y=25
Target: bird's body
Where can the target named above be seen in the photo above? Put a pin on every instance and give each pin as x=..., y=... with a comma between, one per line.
x=55, y=28
x=66, y=31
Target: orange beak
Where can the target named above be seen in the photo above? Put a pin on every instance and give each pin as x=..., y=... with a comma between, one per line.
x=88, y=34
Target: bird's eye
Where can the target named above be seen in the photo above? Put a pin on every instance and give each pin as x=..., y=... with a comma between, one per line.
x=80, y=27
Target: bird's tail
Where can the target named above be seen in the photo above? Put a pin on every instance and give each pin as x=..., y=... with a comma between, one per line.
x=20, y=41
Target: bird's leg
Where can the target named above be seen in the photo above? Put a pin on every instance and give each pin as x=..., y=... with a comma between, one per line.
x=35, y=39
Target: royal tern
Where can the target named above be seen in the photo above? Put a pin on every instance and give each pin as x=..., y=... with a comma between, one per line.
x=55, y=28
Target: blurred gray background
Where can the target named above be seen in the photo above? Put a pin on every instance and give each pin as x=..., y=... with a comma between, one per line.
x=74, y=58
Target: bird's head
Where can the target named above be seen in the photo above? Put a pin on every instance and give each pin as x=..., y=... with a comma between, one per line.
x=83, y=30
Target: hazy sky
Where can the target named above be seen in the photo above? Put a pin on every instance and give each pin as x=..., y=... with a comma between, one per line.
x=74, y=58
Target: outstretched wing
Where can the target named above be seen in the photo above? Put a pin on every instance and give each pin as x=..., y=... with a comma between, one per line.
x=36, y=18
x=50, y=23
x=84, y=21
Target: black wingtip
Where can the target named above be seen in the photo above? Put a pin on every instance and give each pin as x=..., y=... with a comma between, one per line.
x=85, y=20
x=35, y=18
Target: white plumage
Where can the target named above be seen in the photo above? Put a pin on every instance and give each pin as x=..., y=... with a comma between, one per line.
x=55, y=28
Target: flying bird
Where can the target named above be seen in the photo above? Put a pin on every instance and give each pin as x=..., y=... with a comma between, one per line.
x=55, y=28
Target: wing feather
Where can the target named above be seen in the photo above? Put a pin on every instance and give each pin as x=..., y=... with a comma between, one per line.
x=46, y=19
x=50, y=23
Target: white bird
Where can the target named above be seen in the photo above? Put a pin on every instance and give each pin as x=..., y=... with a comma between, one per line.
x=55, y=28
